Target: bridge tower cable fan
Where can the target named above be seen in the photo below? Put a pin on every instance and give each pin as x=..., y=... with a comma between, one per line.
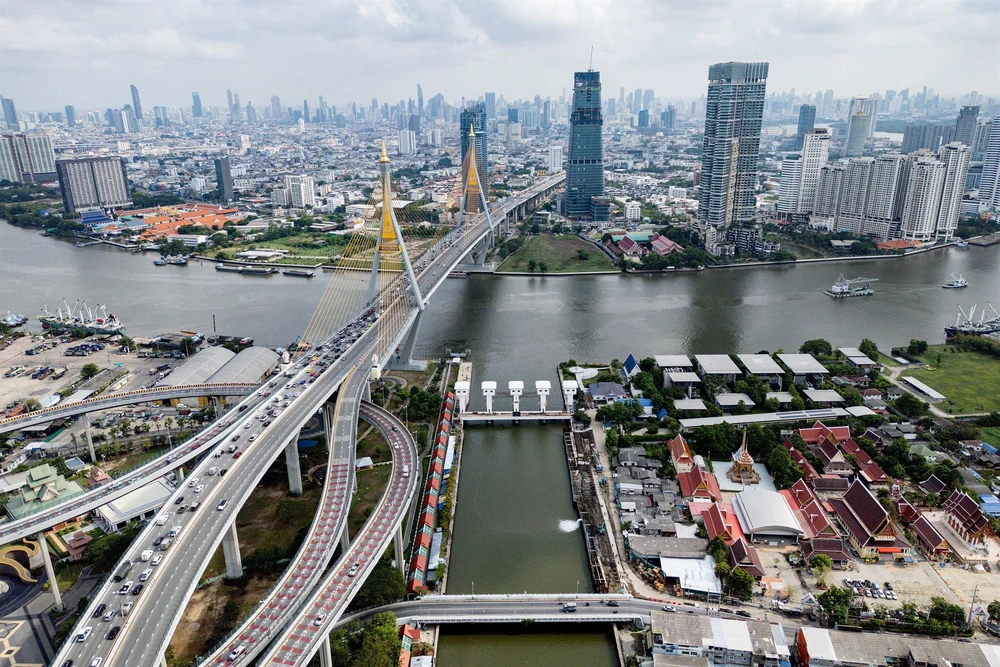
x=473, y=200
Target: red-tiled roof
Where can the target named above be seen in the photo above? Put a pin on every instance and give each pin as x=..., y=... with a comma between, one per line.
x=821, y=431
x=866, y=507
x=832, y=547
x=679, y=450
x=967, y=512
x=744, y=556
x=721, y=521
x=907, y=512
x=699, y=484
x=930, y=536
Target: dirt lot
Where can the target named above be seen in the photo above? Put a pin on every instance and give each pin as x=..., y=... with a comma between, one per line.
x=204, y=610
x=916, y=583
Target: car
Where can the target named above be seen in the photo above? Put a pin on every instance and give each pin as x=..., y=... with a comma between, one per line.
x=217, y=454
x=235, y=437
x=114, y=632
x=354, y=569
x=145, y=574
x=221, y=506
x=83, y=634
x=182, y=509
x=213, y=470
x=237, y=455
x=100, y=610
x=110, y=614
x=157, y=541
x=723, y=610
x=319, y=620
x=160, y=520
x=199, y=488
x=195, y=506
x=253, y=437
x=68, y=663
x=156, y=561
x=96, y=662
x=126, y=608
x=137, y=589
x=888, y=585
x=193, y=483
x=126, y=587
x=614, y=603
x=744, y=614
x=179, y=500
x=237, y=652
x=669, y=608
x=222, y=473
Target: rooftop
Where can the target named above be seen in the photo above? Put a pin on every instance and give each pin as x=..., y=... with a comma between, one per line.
x=760, y=364
x=673, y=361
x=717, y=364
x=802, y=363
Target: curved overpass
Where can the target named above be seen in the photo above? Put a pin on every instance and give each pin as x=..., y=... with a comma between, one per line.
x=300, y=641
x=122, y=399
x=279, y=606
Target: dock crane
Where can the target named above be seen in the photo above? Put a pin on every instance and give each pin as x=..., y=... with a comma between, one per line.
x=844, y=287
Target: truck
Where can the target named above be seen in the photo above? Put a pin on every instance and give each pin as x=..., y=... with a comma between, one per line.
x=123, y=570
x=146, y=555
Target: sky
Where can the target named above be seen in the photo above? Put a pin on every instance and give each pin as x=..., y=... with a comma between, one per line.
x=87, y=52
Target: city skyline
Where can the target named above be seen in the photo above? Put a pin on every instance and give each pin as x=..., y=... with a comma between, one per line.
x=669, y=47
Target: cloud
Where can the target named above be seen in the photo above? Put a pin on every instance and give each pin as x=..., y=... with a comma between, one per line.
x=65, y=51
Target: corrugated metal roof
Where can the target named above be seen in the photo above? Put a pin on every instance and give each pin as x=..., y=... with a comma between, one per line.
x=250, y=365
x=200, y=367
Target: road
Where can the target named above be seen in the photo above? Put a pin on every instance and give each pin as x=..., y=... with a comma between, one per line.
x=278, y=608
x=299, y=641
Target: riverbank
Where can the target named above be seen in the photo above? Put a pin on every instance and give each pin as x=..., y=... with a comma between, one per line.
x=555, y=254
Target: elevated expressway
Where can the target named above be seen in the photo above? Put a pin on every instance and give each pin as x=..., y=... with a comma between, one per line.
x=147, y=629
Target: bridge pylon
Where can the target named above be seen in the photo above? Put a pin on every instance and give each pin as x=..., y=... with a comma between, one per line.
x=473, y=201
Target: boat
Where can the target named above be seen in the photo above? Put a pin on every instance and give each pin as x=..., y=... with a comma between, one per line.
x=13, y=320
x=226, y=267
x=258, y=270
x=97, y=321
x=298, y=272
x=458, y=274
x=967, y=325
x=956, y=283
x=962, y=244
x=843, y=288
x=160, y=262
x=177, y=260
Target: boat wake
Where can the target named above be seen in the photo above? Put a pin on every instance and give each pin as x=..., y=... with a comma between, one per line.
x=569, y=525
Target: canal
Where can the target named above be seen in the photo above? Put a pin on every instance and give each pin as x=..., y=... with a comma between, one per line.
x=515, y=528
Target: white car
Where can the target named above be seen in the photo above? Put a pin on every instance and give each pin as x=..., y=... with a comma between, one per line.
x=156, y=560
x=145, y=574
x=82, y=637
x=193, y=483
x=160, y=520
x=319, y=620
x=247, y=425
x=199, y=488
x=253, y=437
x=127, y=607
x=237, y=652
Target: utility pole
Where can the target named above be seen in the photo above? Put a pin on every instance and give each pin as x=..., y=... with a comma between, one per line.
x=972, y=605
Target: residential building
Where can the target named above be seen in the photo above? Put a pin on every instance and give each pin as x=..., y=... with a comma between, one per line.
x=555, y=159
x=807, y=121
x=820, y=647
x=989, y=190
x=27, y=158
x=633, y=211
x=791, y=184
x=585, y=166
x=300, y=191
x=860, y=125
x=800, y=174
x=680, y=454
x=70, y=115
x=733, y=113
x=93, y=183
x=668, y=118
x=982, y=140
x=473, y=118
x=956, y=158
x=196, y=109
x=136, y=105
x=965, y=125
x=720, y=642
x=828, y=187
x=224, y=180
x=407, y=142
x=923, y=198
x=931, y=136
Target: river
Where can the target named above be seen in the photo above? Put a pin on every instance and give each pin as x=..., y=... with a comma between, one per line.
x=514, y=490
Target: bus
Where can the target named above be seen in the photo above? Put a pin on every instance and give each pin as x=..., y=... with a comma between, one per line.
x=123, y=570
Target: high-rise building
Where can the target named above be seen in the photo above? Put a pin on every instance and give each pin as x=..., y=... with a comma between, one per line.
x=490, y=101
x=668, y=118
x=474, y=117
x=827, y=202
x=982, y=140
x=885, y=193
x=229, y=99
x=791, y=184
x=956, y=157
x=860, y=125
x=807, y=121
x=136, y=104
x=196, y=109
x=275, y=107
x=433, y=137
x=555, y=159
x=815, y=150
x=407, y=142
x=965, y=125
x=413, y=123
x=70, y=115
x=512, y=115
x=120, y=121
x=644, y=118
x=300, y=191
x=9, y=113
x=251, y=114
x=585, y=167
x=93, y=183
x=855, y=186
x=989, y=189
x=27, y=158
x=733, y=113
x=224, y=180
x=420, y=101
x=636, y=101
x=923, y=198
x=305, y=111
x=926, y=135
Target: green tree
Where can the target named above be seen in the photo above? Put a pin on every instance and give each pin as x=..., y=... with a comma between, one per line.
x=910, y=405
x=916, y=347
x=868, y=348
x=31, y=405
x=821, y=565
x=89, y=370
x=994, y=611
x=718, y=549
x=836, y=601
x=722, y=570
x=532, y=265
x=816, y=346
x=384, y=585
x=946, y=612
x=582, y=255
x=543, y=267
x=128, y=344
x=740, y=584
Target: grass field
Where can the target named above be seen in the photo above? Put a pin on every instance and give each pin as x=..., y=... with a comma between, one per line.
x=967, y=379
x=560, y=254
x=990, y=434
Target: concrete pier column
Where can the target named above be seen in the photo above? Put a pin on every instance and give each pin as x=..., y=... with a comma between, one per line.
x=294, y=468
x=325, y=655
x=179, y=473
x=231, y=550
x=366, y=395
x=49, y=571
x=345, y=540
x=328, y=426
x=404, y=357
x=398, y=544
x=90, y=438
